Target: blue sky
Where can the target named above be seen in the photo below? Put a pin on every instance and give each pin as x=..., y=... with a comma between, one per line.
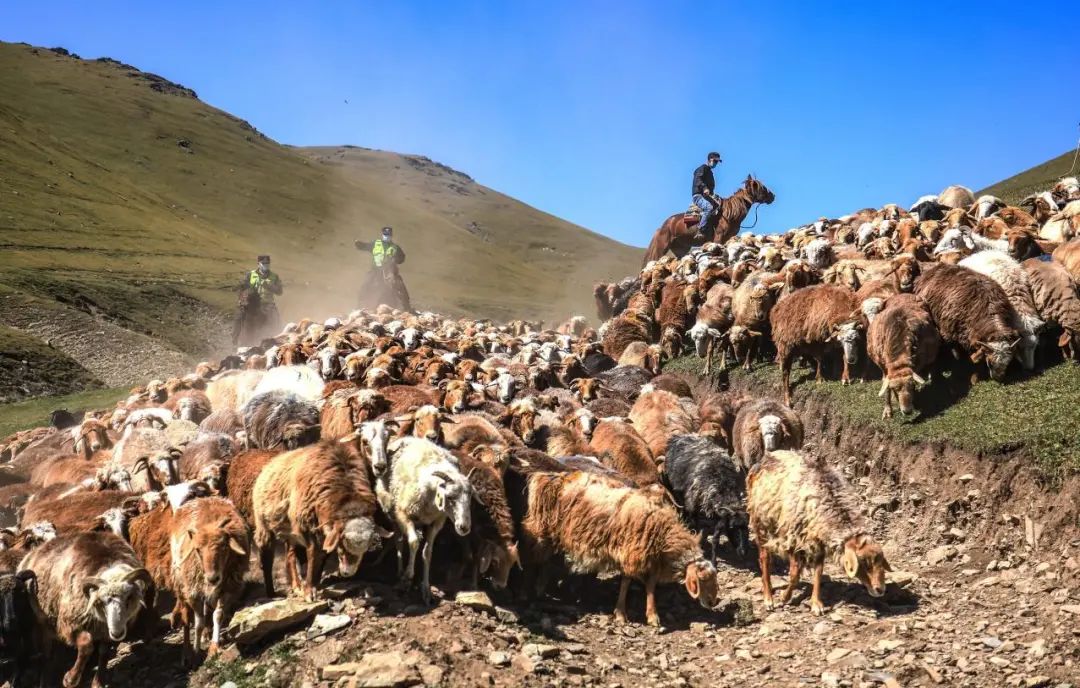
x=599, y=111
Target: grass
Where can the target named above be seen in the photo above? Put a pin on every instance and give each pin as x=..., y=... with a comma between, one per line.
x=35, y=412
x=1039, y=414
x=272, y=668
x=1039, y=178
x=100, y=196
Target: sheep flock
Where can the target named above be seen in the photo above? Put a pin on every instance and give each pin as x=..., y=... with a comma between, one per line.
x=465, y=453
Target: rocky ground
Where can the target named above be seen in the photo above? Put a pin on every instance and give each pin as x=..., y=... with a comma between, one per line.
x=983, y=593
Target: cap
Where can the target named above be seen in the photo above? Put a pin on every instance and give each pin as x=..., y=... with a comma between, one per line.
x=387, y=230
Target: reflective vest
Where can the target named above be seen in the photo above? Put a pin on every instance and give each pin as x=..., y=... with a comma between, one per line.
x=261, y=285
x=380, y=252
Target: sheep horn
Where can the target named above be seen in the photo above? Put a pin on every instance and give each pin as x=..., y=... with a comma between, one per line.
x=442, y=476
x=885, y=386
x=141, y=464
x=918, y=379
x=138, y=575
x=91, y=584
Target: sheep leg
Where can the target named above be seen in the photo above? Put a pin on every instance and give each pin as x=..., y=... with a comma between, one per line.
x=794, y=570
x=766, y=580
x=84, y=648
x=815, y=598
x=413, y=541
x=315, y=563
x=429, y=546
x=105, y=652
x=215, y=637
x=651, y=616
x=818, y=377
x=845, y=376
x=708, y=356
x=886, y=413
x=197, y=633
x=620, y=606
x=266, y=560
x=187, y=655
x=293, y=569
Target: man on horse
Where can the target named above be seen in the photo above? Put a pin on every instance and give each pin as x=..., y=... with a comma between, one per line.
x=703, y=195
x=257, y=311
x=386, y=256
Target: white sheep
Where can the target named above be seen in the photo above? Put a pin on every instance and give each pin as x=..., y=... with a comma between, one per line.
x=299, y=379
x=819, y=254
x=424, y=488
x=1014, y=281
x=957, y=239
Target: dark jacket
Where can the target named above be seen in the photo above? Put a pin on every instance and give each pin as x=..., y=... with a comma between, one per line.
x=703, y=181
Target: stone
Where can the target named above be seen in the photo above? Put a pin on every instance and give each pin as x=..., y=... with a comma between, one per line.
x=940, y=555
x=541, y=651
x=1043, y=567
x=327, y=623
x=499, y=658
x=830, y=679
x=1037, y=649
x=431, y=675
x=475, y=600
x=252, y=624
x=384, y=670
x=332, y=672
x=228, y=684
x=966, y=478
x=1071, y=609
x=991, y=642
x=505, y=615
x=837, y=654
x=821, y=627
x=901, y=578
x=1036, y=681
x=999, y=661
x=955, y=535
x=886, y=645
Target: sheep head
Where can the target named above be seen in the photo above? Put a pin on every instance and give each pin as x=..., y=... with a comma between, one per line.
x=700, y=582
x=864, y=561
x=116, y=597
x=217, y=547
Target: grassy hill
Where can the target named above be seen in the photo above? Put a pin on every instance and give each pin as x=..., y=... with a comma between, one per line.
x=130, y=207
x=1038, y=178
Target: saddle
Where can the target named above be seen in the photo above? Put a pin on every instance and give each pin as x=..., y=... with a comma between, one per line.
x=693, y=210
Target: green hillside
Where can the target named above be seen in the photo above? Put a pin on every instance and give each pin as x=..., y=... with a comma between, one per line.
x=128, y=203
x=1038, y=178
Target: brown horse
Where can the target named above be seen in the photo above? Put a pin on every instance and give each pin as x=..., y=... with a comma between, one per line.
x=677, y=232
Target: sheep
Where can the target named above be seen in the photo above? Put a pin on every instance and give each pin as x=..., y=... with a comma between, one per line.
x=601, y=528
x=207, y=458
x=801, y=509
x=672, y=318
x=1014, y=282
x=470, y=430
x=1068, y=255
x=1062, y=226
x=956, y=196
x=224, y=421
x=244, y=470
x=17, y=630
x=658, y=415
x=208, y=543
x=280, y=418
x=972, y=312
x=621, y=448
x=641, y=355
x=751, y=303
x=490, y=546
x=91, y=593
x=1057, y=300
x=426, y=421
x=299, y=380
x=232, y=390
x=190, y=405
x=318, y=499
x=811, y=322
x=79, y=512
x=819, y=254
x=626, y=328
x=16, y=544
x=763, y=426
x=903, y=342
x=424, y=488
x=708, y=485
x=151, y=457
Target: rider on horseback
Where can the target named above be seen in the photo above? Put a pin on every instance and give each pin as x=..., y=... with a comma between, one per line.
x=702, y=194
x=257, y=311
x=385, y=257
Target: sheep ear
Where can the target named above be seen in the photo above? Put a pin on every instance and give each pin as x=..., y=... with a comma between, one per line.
x=1064, y=339
x=850, y=560
x=692, y=581
x=383, y=532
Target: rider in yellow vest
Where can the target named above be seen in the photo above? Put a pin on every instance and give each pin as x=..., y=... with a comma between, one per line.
x=385, y=254
x=266, y=285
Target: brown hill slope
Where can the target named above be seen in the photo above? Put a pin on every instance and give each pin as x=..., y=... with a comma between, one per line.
x=124, y=197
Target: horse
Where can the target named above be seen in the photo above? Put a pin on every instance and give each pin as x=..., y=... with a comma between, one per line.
x=678, y=231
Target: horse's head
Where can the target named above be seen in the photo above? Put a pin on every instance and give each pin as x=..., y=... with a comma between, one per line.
x=759, y=193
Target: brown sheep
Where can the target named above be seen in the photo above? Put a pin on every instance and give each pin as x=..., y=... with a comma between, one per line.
x=801, y=509
x=223, y=421
x=620, y=447
x=659, y=415
x=209, y=550
x=91, y=593
x=750, y=304
x=318, y=499
x=1068, y=254
x=626, y=328
x=903, y=342
x=764, y=426
x=812, y=322
x=190, y=405
x=82, y=511
x=972, y=311
x=602, y=528
x=206, y=458
x=642, y=355
x=244, y=469
x=672, y=317
x=471, y=430
x=1057, y=301
x=490, y=545
x=717, y=411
